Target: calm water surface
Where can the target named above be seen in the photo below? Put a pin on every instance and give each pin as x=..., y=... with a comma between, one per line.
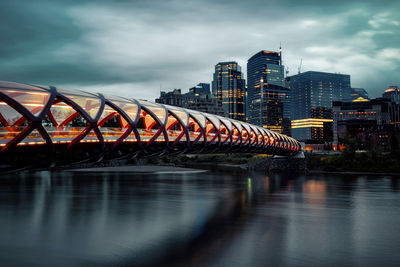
x=202, y=219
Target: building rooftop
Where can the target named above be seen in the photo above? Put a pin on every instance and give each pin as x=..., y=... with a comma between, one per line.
x=360, y=99
x=310, y=72
x=266, y=53
x=392, y=88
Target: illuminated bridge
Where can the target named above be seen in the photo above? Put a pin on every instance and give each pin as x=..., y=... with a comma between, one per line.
x=46, y=123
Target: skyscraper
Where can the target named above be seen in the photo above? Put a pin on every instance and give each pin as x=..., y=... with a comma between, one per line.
x=229, y=86
x=393, y=94
x=268, y=102
x=312, y=94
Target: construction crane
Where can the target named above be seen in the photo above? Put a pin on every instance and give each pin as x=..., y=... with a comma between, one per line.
x=299, y=69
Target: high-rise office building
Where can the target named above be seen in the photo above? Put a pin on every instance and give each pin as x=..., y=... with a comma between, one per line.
x=312, y=94
x=200, y=89
x=229, y=86
x=173, y=98
x=198, y=98
x=313, y=89
x=268, y=103
x=367, y=121
x=393, y=94
x=317, y=128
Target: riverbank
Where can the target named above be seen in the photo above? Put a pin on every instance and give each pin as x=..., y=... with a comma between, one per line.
x=177, y=163
x=370, y=162
x=353, y=173
x=153, y=169
x=360, y=164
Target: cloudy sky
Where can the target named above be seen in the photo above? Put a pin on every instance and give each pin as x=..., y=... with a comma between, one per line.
x=130, y=47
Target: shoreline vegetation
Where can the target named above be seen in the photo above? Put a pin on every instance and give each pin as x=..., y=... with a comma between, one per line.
x=360, y=162
x=371, y=160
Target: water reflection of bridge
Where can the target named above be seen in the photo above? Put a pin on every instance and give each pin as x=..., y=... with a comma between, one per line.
x=56, y=121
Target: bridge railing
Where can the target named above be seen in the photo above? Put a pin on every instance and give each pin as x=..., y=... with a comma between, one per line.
x=60, y=120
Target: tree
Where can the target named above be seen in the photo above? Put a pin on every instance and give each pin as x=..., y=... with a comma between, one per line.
x=394, y=145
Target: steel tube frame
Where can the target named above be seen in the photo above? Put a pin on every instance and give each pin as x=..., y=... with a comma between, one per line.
x=257, y=139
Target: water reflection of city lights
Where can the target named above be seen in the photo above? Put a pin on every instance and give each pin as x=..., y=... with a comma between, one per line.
x=316, y=190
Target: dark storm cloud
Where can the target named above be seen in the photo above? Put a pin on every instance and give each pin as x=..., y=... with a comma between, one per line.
x=33, y=27
x=69, y=73
x=134, y=46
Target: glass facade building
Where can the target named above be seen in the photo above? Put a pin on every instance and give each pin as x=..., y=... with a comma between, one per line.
x=314, y=89
x=268, y=101
x=229, y=86
x=312, y=94
x=317, y=129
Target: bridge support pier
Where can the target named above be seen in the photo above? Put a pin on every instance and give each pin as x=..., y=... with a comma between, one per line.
x=295, y=164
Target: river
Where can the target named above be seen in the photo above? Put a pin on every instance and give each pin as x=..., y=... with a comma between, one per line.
x=198, y=219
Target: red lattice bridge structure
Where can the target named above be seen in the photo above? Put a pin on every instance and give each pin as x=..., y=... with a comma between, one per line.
x=49, y=124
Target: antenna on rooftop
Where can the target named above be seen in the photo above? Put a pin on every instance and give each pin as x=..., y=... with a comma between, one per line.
x=299, y=69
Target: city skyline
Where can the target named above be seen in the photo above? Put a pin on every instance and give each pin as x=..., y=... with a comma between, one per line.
x=131, y=47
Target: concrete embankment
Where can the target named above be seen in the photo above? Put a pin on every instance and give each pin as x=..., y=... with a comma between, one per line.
x=279, y=164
